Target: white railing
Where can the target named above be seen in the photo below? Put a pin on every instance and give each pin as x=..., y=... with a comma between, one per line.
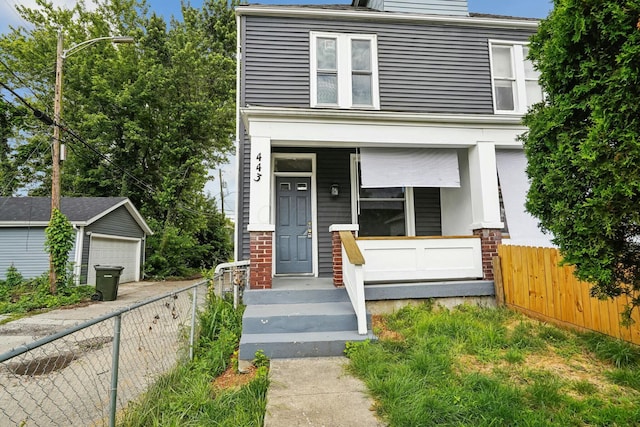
x=231, y=276
x=395, y=259
x=353, y=278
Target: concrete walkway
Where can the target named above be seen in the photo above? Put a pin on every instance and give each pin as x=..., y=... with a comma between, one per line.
x=317, y=392
x=28, y=329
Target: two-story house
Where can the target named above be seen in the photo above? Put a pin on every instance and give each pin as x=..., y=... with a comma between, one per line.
x=397, y=121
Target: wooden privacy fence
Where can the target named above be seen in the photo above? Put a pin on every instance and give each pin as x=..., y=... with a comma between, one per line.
x=535, y=285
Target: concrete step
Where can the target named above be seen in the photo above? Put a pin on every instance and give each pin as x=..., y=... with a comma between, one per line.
x=293, y=345
x=294, y=296
x=317, y=317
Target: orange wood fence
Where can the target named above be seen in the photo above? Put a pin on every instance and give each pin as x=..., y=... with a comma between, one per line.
x=534, y=284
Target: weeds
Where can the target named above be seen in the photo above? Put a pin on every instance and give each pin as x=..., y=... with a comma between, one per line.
x=187, y=395
x=19, y=296
x=484, y=367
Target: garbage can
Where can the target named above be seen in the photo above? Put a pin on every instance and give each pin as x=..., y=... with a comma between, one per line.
x=107, y=280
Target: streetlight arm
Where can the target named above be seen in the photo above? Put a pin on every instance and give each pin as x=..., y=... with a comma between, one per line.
x=77, y=47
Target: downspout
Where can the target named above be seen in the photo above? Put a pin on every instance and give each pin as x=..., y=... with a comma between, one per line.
x=239, y=196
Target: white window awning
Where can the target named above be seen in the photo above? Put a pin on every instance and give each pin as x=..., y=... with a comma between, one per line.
x=523, y=227
x=409, y=167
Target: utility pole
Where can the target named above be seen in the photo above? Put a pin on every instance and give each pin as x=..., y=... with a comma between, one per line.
x=61, y=55
x=57, y=134
x=221, y=191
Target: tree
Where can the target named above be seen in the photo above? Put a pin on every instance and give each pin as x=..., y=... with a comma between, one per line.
x=153, y=118
x=9, y=118
x=583, y=142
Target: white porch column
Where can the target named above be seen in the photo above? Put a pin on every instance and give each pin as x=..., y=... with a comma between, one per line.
x=260, y=187
x=483, y=176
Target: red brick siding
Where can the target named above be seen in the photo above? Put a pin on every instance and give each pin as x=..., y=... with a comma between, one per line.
x=261, y=257
x=336, y=249
x=490, y=238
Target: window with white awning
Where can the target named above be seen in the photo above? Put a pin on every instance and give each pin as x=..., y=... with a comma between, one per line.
x=409, y=167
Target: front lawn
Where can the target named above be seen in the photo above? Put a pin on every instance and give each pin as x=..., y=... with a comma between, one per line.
x=486, y=367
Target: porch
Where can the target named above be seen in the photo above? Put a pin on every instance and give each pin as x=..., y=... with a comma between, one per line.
x=308, y=316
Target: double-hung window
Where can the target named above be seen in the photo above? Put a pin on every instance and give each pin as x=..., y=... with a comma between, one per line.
x=344, y=70
x=514, y=79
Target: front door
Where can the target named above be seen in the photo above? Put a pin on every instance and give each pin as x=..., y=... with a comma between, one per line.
x=293, y=225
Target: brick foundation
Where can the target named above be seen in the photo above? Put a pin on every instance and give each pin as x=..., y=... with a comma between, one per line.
x=336, y=250
x=261, y=257
x=490, y=238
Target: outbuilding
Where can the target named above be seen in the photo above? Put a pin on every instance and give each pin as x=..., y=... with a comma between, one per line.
x=108, y=231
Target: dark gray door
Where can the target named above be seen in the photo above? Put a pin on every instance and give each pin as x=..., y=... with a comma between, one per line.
x=293, y=225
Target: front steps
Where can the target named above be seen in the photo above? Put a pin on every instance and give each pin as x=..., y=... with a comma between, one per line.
x=298, y=323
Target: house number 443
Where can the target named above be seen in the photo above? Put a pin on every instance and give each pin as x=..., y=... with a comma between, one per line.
x=258, y=170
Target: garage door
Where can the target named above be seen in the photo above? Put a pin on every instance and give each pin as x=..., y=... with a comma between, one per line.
x=109, y=251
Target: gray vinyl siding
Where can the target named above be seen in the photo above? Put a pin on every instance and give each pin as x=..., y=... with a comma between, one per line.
x=244, y=160
x=333, y=168
x=24, y=248
x=427, y=211
x=116, y=223
x=376, y=4
x=435, y=7
x=423, y=67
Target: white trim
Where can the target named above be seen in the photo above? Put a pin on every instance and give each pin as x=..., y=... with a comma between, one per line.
x=314, y=203
x=261, y=227
x=114, y=237
x=517, y=63
x=239, y=60
x=77, y=258
x=343, y=227
x=343, y=70
x=292, y=11
x=27, y=223
x=384, y=117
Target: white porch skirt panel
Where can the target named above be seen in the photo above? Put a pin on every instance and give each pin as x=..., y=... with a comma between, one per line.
x=108, y=251
x=409, y=167
x=514, y=183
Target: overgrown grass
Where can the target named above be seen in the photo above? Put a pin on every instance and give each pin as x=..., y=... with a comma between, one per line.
x=187, y=396
x=19, y=297
x=484, y=367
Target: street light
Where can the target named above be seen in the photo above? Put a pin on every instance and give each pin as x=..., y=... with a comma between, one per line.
x=61, y=55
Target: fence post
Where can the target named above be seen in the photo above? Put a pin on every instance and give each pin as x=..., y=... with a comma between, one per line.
x=114, y=370
x=497, y=281
x=193, y=322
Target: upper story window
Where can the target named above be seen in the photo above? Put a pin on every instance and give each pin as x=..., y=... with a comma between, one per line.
x=514, y=80
x=344, y=70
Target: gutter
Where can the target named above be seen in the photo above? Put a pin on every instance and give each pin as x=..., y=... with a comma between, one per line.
x=367, y=15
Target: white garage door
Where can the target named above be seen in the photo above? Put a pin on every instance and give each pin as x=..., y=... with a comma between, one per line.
x=109, y=251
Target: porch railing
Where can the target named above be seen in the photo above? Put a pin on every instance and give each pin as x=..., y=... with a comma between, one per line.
x=231, y=277
x=395, y=259
x=353, y=277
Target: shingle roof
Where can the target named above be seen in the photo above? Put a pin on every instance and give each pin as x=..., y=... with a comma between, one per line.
x=37, y=209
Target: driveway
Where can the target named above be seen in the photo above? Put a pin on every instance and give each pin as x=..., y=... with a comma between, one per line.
x=29, y=329
x=68, y=381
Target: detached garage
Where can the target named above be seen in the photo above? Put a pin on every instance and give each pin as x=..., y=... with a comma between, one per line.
x=109, y=231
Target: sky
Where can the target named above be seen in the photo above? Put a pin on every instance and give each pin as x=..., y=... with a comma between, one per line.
x=168, y=8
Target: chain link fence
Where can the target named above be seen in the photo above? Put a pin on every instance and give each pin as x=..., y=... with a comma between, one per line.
x=84, y=375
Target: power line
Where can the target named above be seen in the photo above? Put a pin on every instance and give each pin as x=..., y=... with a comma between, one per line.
x=37, y=113
x=25, y=85
x=138, y=182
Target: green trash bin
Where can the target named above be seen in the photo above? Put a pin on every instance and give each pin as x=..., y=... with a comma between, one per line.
x=107, y=280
